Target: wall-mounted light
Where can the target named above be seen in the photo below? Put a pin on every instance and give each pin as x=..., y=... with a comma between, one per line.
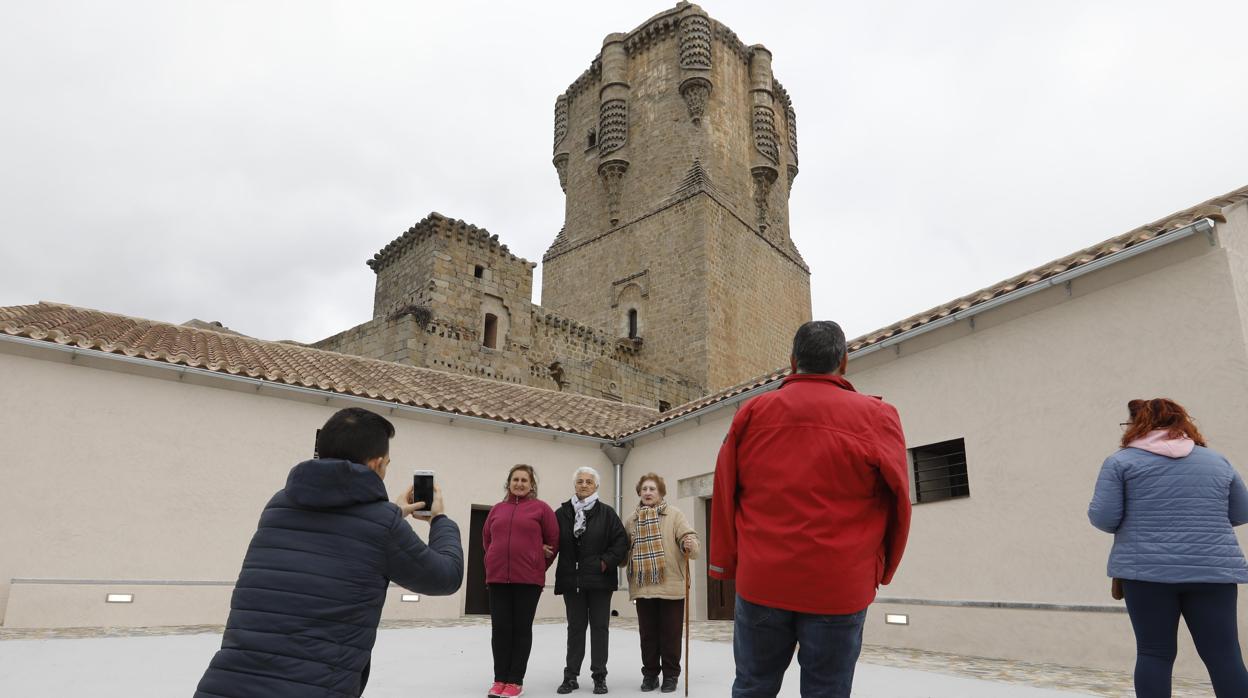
x=410, y=597
x=119, y=598
x=897, y=619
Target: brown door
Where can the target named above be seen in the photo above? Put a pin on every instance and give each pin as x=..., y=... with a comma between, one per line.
x=477, y=599
x=721, y=596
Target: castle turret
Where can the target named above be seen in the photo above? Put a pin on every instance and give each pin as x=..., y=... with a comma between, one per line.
x=670, y=149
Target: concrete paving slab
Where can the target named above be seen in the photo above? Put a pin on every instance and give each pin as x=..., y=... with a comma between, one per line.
x=447, y=662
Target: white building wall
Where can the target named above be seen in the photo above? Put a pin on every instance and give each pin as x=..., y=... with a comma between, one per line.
x=1037, y=389
x=112, y=475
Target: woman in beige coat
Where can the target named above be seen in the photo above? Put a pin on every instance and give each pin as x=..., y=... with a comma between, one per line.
x=660, y=538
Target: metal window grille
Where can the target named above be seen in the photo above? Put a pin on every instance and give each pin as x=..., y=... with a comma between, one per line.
x=940, y=471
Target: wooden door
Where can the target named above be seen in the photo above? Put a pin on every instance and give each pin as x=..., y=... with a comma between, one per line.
x=477, y=599
x=721, y=596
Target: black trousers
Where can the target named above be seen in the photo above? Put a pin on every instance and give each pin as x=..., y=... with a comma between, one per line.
x=512, y=607
x=593, y=609
x=659, y=622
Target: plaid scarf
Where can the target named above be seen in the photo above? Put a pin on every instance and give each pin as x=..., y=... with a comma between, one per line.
x=647, y=563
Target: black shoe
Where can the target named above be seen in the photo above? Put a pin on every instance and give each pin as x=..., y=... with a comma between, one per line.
x=669, y=684
x=569, y=684
x=600, y=686
x=649, y=683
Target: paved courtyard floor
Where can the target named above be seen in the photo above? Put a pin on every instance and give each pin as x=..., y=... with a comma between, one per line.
x=452, y=659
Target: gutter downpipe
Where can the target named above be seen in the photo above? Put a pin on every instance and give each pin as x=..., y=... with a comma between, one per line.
x=617, y=453
x=1204, y=225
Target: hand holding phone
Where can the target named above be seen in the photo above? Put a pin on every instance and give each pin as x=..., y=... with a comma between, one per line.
x=423, y=491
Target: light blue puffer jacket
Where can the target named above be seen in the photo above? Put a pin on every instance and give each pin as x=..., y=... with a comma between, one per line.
x=1172, y=517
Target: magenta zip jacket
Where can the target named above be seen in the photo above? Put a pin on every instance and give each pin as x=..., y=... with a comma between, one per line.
x=513, y=536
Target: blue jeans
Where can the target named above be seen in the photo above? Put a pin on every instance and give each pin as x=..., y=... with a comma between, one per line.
x=763, y=639
x=1209, y=610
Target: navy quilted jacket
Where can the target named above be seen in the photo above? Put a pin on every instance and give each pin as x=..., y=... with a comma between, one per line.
x=304, y=614
x=1172, y=518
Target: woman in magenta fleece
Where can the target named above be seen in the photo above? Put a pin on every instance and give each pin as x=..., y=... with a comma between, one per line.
x=521, y=538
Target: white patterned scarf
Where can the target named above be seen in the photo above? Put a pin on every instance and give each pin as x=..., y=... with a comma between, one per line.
x=581, y=506
x=647, y=562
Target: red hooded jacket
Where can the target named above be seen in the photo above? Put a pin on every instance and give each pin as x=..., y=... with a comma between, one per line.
x=811, y=505
x=513, y=535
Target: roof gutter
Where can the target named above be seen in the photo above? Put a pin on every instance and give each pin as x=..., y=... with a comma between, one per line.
x=698, y=413
x=259, y=383
x=1204, y=225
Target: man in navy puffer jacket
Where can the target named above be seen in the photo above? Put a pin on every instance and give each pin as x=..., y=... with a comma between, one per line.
x=304, y=614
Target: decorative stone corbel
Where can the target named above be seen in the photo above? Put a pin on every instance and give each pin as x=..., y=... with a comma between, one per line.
x=696, y=91
x=612, y=173
x=561, y=167
x=764, y=178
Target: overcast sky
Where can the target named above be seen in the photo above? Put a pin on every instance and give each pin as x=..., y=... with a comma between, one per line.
x=239, y=161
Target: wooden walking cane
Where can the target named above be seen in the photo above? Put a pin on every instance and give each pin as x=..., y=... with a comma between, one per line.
x=686, y=625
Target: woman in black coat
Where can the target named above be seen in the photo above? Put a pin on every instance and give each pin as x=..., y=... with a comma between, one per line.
x=592, y=542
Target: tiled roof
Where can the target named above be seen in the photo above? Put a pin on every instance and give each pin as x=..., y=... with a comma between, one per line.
x=291, y=364
x=695, y=405
x=1209, y=209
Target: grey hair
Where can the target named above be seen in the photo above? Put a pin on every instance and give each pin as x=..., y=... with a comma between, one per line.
x=819, y=347
x=591, y=471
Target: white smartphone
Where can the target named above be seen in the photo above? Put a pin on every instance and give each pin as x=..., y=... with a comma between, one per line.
x=422, y=490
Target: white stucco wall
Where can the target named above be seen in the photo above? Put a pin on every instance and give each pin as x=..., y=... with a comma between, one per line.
x=1037, y=389
x=114, y=475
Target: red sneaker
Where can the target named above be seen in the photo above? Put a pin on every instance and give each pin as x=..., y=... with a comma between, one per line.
x=511, y=690
x=496, y=691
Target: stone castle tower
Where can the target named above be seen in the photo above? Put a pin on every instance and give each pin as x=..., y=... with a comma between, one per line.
x=674, y=275
x=677, y=151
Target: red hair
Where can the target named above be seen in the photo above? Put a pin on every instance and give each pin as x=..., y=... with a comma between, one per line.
x=1160, y=413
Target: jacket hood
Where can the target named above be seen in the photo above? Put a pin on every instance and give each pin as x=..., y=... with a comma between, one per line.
x=1160, y=442
x=332, y=483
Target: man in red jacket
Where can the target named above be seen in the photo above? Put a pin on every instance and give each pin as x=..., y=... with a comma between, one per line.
x=810, y=515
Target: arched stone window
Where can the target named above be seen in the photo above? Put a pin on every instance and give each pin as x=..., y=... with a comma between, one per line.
x=629, y=308
x=489, y=338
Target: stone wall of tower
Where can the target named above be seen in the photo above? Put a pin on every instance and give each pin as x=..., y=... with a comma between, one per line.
x=770, y=298
x=695, y=187
x=654, y=266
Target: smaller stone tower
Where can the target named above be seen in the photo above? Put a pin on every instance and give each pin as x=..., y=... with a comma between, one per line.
x=450, y=296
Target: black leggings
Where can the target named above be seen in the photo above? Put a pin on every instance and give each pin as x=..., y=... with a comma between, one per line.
x=512, y=607
x=1209, y=610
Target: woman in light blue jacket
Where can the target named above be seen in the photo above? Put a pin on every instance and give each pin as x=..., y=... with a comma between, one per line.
x=1171, y=504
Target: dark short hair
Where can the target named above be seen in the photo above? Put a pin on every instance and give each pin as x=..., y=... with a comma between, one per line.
x=819, y=347
x=355, y=434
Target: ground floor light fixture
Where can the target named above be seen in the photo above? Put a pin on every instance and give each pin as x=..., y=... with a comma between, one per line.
x=897, y=619
x=410, y=597
x=119, y=598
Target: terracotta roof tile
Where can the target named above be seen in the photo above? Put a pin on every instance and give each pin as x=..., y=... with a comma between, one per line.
x=695, y=405
x=295, y=364
x=1211, y=209
x=292, y=364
